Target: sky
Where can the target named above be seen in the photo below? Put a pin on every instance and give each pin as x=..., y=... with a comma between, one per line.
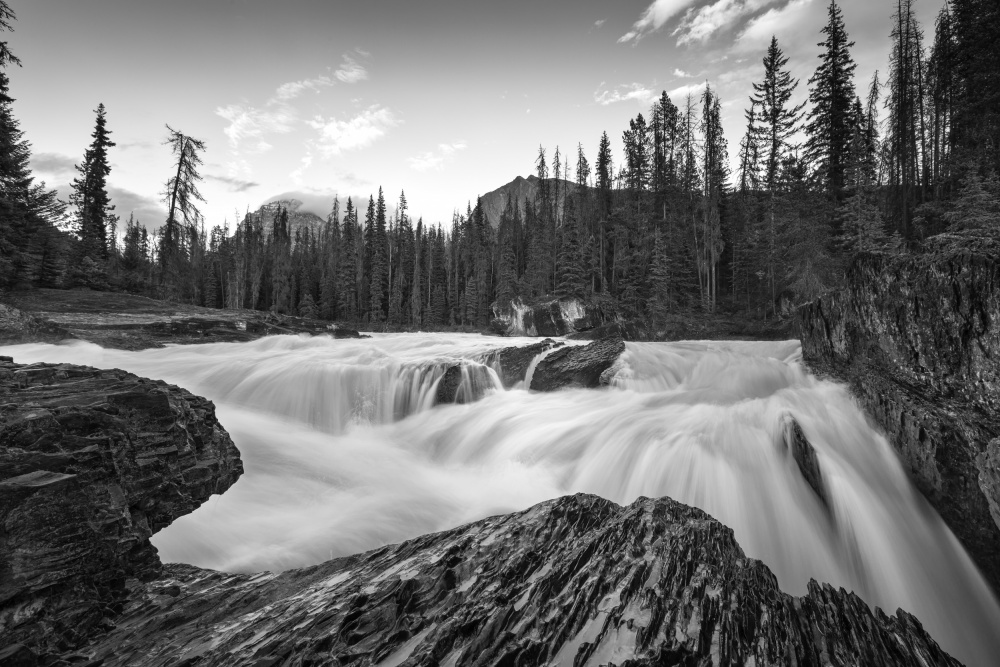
x=442, y=99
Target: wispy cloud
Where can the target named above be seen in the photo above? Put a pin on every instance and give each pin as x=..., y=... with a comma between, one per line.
x=634, y=91
x=336, y=136
x=248, y=125
x=146, y=209
x=681, y=92
x=780, y=21
x=698, y=25
x=235, y=184
x=682, y=74
x=598, y=23
x=658, y=13
x=350, y=70
x=54, y=165
x=436, y=159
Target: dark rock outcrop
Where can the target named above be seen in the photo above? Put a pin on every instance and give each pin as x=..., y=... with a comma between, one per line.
x=918, y=340
x=93, y=463
x=584, y=366
x=578, y=580
x=804, y=455
x=556, y=317
x=513, y=362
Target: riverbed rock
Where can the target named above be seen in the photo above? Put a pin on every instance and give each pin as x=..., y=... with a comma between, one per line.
x=577, y=580
x=583, y=366
x=132, y=322
x=917, y=338
x=93, y=463
x=513, y=362
x=806, y=460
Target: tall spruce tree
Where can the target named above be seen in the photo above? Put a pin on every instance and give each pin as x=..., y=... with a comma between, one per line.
x=90, y=192
x=831, y=94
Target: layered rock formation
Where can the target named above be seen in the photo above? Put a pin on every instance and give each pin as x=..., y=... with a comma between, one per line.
x=573, y=581
x=130, y=322
x=93, y=463
x=918, y=340
x=585, y=366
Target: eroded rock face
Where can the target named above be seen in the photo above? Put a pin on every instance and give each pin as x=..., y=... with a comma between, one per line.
x=918, y=340
x=578, y=580
x=93, y=463
x=584, y=366
x=513, y=362
x=556, y=317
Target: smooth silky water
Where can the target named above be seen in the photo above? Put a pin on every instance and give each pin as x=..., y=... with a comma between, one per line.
x=345, y=452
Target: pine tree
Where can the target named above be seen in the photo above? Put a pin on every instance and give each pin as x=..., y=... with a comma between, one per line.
x=27, y=210
x=977, y=206
x=571, y=277
x=90, y=193
x=347, y=271
x=778, y=120
x=379, y=263
x=307, y=307
x=831, y=94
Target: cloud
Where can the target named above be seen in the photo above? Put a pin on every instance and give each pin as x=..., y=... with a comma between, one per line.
x=351, y=71
x=634, y=91
x=436, y=159
x=682, y=92
x=149, y=211
x=658, y=13
x=778, y=21
x=250, y=124
x=682, y=74
x=306, y=162
x=54, y=165
x=599, y=23
x=698, y=26
x=336, y=136
x=235, y=184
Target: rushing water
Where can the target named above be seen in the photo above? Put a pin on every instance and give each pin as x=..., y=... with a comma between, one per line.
x=344, y=451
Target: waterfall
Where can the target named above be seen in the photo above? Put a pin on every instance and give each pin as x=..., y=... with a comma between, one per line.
x=345, y=450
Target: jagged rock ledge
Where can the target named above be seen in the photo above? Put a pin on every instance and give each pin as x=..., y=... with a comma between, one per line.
x=573, y=581
x=94, y=462
x=917, y=338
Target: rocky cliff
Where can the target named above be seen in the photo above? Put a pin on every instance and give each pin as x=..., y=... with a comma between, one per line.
x=93, y=463
x=573, y=581
x=918, y=339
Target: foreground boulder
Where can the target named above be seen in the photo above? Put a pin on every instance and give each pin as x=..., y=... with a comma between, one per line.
x=585, y=366
x=93, y=463
x=512, y=363
x=573, y=581
x=918, y=340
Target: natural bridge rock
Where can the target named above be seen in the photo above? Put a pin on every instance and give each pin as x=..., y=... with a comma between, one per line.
x=513, y=362
x=573, y=581
x=584, y=366
x=93, y=463
x=917, y=337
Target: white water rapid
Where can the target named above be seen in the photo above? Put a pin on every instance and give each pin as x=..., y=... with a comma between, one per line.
x=344, y=452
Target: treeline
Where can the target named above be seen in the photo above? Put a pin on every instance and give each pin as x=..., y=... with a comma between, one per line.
x=665, y=228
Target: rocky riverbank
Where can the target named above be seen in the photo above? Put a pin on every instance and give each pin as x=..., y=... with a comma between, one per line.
x=129, y=322
x=918, y=340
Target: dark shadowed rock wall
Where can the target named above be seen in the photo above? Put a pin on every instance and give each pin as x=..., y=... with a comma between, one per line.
x=918, y=340
x=92, y=463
